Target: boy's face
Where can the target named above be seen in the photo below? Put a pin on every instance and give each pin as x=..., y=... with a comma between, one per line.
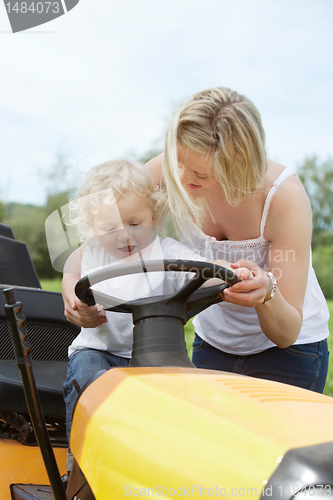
x=125, y=228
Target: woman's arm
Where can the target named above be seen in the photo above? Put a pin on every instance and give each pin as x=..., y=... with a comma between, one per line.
x=288, y=228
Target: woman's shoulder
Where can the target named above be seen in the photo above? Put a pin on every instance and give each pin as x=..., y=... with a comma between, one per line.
x=290, y=201
x=285, y=179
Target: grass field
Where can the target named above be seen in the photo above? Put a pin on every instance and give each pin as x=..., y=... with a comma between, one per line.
x=189, y=333
x=54, y=285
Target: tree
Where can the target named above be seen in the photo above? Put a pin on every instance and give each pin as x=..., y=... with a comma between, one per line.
x=28, y=221
x=151, y=153
x=317, y=178
x=322, y=261
x=58, y=177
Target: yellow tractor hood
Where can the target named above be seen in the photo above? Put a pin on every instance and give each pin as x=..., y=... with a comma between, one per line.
x=183, y=432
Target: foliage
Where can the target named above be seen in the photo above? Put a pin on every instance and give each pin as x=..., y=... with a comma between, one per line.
x=2, y=211
x=317, y=178
x=28, y=225
x=322, y=260
x=58, y=177
x=28, y=221
x=329, y=382
x=149, y=155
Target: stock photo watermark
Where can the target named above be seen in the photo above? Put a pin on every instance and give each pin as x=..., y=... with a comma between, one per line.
x=189, y=491
x=196, y=490
x=25, y=15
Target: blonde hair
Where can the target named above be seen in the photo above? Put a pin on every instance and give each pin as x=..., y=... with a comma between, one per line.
x=105, y=184
x=224, y=126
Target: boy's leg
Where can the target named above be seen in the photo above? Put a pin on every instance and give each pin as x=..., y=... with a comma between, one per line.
x=83, y=365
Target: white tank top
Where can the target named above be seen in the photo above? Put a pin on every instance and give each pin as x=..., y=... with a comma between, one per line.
x=235, y=329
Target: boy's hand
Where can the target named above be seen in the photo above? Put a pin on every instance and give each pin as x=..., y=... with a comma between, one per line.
x=243, y=273
x=90, y=316
x=82, y=315
x=76, y=311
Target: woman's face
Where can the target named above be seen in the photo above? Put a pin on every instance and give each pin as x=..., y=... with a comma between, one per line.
x=193, y=172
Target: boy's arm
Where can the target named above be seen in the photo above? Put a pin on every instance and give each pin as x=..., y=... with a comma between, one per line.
x=76, y=311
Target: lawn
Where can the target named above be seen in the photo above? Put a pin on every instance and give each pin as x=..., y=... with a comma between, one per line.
x=189, y=333
x=53, y=285
x=329, y=382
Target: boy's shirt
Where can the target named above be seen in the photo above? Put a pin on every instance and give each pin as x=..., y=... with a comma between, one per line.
x=116, y=335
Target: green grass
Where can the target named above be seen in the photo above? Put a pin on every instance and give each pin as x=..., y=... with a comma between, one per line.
x=329, y=382
x=189, y=337
x=55, y=285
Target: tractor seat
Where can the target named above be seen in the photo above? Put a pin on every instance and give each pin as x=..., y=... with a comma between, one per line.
x=49, y=377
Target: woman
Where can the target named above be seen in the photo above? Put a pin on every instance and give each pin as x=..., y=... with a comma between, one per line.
x=230, y=203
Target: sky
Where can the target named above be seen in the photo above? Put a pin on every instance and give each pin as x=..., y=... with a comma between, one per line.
x=102, y=81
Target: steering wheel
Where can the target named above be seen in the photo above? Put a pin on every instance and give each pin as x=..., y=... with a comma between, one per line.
x=159, y=321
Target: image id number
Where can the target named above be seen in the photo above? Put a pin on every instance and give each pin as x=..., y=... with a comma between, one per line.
x=33, y=7
x=311, y=491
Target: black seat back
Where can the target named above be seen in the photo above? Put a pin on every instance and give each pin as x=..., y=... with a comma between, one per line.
x=16, y=266
x=6, y=231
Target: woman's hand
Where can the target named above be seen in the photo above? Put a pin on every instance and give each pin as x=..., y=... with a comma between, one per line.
x=254, y=287
x=279, y=320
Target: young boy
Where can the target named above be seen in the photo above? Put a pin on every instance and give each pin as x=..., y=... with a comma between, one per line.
x=118, y=213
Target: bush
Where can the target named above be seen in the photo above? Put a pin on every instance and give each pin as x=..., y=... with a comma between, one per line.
x=322, y=259
x=28, y=225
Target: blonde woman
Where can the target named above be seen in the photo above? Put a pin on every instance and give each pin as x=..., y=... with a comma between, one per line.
x=230, y=203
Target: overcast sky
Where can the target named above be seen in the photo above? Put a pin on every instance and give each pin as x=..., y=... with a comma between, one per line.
x=101, y=81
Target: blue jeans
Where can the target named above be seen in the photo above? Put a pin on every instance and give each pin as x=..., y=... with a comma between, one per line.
x=83, y=365
x=303, y=365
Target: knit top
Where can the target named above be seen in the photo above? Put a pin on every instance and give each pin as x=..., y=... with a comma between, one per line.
x=235, y=329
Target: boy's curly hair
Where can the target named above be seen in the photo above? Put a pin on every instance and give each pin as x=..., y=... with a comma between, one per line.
x=105, y=184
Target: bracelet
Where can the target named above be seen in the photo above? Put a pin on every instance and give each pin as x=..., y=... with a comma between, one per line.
x=274, y=287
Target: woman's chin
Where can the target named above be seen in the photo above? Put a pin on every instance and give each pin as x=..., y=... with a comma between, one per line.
x=196, y=193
